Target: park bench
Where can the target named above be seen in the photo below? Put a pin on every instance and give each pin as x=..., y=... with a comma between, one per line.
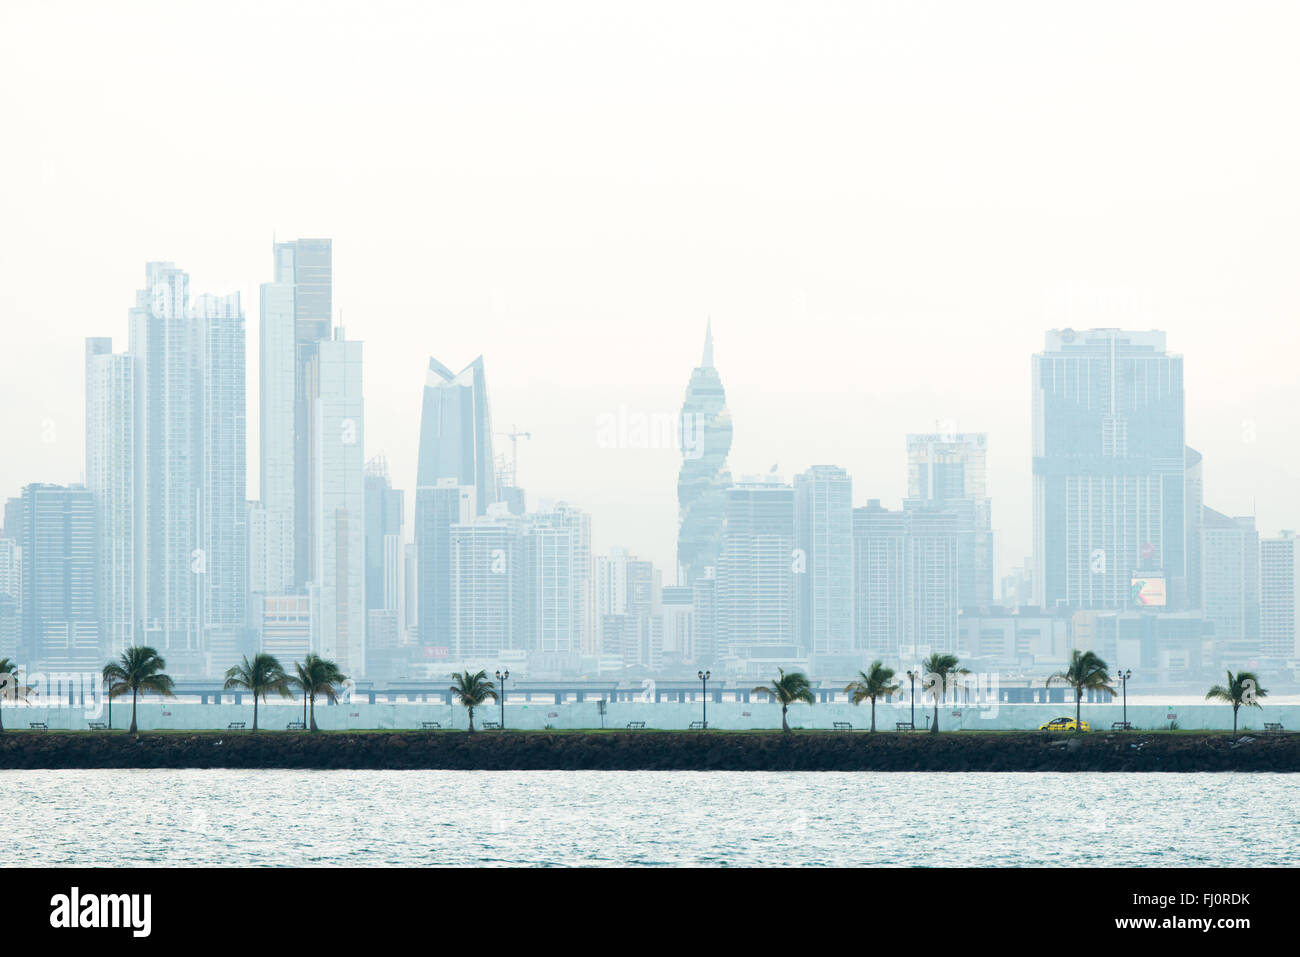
x=492, y=725
x=1273, y=726
x=904, y=726
x=1122, y=726
x=38, y=726
x=636, y=725
x=431, y=725
x=235, y=726
x=296, y=726
x=97, y=726
x=697, y=726
x=842, y=726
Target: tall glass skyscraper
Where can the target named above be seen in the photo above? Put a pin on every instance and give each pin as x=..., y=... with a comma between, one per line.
x=704, y=478
x=277, y=436
x=306, y=266
x=823, y=529
x=221, y=470
x=110, y=477
x=1108, y=463
x=456, y=471
x=60, y=607
x=167, y=555
x=947, y=472
x=338, y=565
x=456, y=431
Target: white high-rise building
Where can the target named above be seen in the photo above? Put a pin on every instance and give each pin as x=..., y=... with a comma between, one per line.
x=167, y=555
x=223, y=514
x=756, y=599
x=486, y=587
x=110, y=476
x=1279, y=597
x=823, y=528
x=277, y=371
x=1231, y=580
x=338, y=504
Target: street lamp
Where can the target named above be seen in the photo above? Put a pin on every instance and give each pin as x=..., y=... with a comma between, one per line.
x=911, y=677
x=502, y=678
x=704, y=698
x=1123, y=676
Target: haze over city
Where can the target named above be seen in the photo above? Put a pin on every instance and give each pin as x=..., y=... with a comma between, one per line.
x=878, y=212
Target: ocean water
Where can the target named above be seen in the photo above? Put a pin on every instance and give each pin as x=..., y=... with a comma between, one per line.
x=595, y=818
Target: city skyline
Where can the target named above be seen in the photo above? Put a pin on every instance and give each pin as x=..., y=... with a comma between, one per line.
x=863, y=272
x=1006, y=556
x=771, y=570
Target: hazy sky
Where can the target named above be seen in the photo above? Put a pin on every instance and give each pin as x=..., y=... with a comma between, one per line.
x=881, y=206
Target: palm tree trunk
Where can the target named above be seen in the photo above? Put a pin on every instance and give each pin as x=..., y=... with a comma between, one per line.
x=254, y=711
x=934, y=728
x=1235, y=706
x=471, y=720
x=873, y=714
x=304, y=708
x=313, y=712
x=785, y=725
x=134, y=692
x=1078, y=707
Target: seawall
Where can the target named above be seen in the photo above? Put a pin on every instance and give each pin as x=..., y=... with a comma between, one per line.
x=665, y=715
x=650, y=750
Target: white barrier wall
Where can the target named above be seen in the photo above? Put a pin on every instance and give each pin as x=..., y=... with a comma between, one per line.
x=665, y=715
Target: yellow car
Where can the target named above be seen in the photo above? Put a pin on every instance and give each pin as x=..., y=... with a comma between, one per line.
x=1064, y=724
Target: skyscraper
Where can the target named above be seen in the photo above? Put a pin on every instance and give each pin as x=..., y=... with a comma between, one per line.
x=277, y=435
x=60, y=613
x=337, y=567
x=704, y=479
x=221, y=469
x=456, y=469
x=1108, y=467
x=755, y=610
x=947, y=472
x=437, y=510
x=167, y=416
x=1195, y=512
x=456, y=432
x=384, y=521
x=307, y=266
x=905, y=567
x=823, y=527
x=1279, y=597
x=487, y=586
x=110, y=477
x=1231, y=577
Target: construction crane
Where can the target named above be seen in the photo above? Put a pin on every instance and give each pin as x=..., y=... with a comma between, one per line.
x=514, y=435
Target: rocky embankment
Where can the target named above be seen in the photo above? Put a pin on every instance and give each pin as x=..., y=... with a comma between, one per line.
x=656, y=751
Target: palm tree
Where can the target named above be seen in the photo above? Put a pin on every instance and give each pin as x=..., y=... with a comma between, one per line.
x=872, y=684
x=9, y=669
x=1087, y=672
x=139, y=669
x=1242, y=689
x=473, y=690
x=787, y=689
x=261, y=675
x=940, y=667
x=316, y=676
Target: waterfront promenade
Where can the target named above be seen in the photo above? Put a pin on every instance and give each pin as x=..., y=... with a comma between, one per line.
x=666, y=715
